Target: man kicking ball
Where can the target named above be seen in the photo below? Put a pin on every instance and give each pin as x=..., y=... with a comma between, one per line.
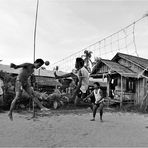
x=22, y=82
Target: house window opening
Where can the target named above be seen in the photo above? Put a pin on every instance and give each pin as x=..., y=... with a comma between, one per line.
x=130, y=85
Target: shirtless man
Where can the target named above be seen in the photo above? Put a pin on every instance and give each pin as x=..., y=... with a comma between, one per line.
x=22, y=82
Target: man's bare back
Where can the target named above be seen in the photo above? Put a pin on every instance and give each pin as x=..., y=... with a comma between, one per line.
x=25, y=72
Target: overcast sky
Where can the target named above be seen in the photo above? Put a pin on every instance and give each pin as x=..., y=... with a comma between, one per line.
x=65, y=26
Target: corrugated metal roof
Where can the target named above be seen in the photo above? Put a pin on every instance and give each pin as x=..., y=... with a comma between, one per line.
x=46, y=81
x=6, y=68
x=103, y=84
x=41, y=72
x=137, y=60
x=47, y=73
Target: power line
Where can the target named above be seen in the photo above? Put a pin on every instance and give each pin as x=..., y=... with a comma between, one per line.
x=106, y=38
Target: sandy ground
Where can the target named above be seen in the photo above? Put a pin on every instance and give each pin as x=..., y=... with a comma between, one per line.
x=73, y=128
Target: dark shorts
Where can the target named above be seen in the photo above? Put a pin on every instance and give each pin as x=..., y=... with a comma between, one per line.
x=81, y=94
x=92, y=98
x=100, y=105
x=80, y=97
x=19, y=86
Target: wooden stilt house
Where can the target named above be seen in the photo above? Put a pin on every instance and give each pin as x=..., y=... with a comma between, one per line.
x=124, y=80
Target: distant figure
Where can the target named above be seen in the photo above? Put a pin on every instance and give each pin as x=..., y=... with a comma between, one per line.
x=97, y=100
x=22, y=82
x=1, y=92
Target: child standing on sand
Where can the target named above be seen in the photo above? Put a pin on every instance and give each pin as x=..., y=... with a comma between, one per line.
x=97, y=100
x=22, y=82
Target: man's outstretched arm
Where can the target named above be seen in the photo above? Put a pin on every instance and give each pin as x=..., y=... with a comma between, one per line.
x=63, y=76
x=12, y=65
x=90, y=95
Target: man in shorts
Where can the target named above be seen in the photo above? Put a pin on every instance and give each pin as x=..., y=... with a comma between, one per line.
x=22, y=82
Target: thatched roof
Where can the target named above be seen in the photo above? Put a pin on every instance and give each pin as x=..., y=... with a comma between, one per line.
x=143, y=63
x=114, y=68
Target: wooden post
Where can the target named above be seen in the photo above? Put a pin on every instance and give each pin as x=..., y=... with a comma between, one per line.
x=108, y=87
x=121, y=96
x=35, y=26
x=138, y=92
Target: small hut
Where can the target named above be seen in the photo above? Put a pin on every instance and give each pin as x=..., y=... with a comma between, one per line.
x=124, y=80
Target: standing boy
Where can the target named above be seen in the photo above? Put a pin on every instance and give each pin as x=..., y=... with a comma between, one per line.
x=97, y=100
x=22, y=82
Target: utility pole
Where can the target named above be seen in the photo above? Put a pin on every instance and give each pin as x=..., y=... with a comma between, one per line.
x=35, y=27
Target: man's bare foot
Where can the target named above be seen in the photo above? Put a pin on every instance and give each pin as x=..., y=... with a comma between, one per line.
x=45, y=109
x=92, y=119
x=10, y=116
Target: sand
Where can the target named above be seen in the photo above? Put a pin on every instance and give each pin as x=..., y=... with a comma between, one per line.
x=70, y=128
